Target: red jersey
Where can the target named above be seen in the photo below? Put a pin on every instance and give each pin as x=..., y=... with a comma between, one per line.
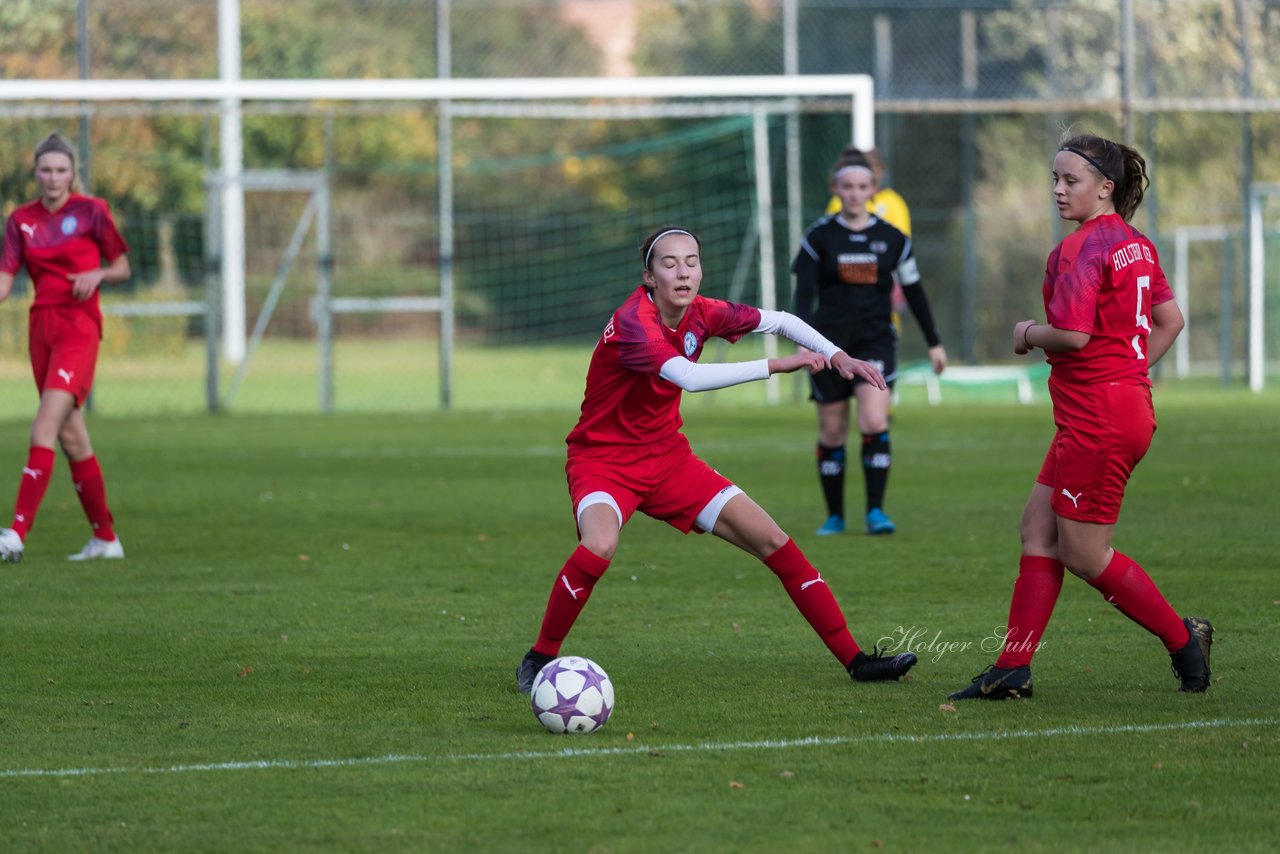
x=1103, y=279
x=73, y=239
x=626, y=401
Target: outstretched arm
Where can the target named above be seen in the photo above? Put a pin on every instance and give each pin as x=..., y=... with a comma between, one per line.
x=797, y=331
x=691, y=376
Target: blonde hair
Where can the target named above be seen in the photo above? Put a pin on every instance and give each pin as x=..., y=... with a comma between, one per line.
x=57, y=144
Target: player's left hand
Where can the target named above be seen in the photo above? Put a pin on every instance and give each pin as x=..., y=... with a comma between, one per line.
x=849, y=367
x=84, y=284
x=1021, y=346
x=938, y=358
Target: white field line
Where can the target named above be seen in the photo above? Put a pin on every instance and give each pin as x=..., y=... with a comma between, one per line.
x=707, y=747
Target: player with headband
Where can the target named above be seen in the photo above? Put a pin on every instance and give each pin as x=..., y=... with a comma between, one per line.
x=1110, y=315
x=846, y=271
x=627, y=452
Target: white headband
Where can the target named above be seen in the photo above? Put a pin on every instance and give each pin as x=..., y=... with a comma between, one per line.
x=853, y=168
x=654, y=242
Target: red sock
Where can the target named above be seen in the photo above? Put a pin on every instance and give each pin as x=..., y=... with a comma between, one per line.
x=92, y=490
x=32, y=487
x=1127, y=586
x=569, y=594
x=815, y=600
x=1035, y=592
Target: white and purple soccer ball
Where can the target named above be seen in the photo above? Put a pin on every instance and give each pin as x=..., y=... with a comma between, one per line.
x=572, y=694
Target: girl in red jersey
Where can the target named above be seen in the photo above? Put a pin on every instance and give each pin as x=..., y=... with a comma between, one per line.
x=1110, y=316
x=627, y=452
x=62, y=238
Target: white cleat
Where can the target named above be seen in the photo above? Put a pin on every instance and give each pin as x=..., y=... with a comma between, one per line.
x=10, y=545
x=97, y=549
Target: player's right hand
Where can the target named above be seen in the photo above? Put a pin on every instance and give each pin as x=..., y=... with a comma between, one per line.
x=849, y=367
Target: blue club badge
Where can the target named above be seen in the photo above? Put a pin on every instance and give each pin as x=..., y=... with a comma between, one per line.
x=690, y=343
x=69, y=225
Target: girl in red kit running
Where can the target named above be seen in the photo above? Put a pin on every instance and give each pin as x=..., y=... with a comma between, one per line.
x=62, y=238
x=627, y=452
x=1110, y=316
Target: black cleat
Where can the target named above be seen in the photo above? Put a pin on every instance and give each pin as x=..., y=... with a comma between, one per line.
x=876, y=668
x=997, y=683
x=1191, y=663
x=528, y=670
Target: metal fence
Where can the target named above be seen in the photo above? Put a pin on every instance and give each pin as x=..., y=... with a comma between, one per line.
x=971, y=99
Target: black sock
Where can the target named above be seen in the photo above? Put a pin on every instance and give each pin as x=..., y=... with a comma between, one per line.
x=831, y=474
x=876, y=458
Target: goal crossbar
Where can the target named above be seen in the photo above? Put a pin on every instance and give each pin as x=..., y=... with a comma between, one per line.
x=859, y=88
x=436, y=89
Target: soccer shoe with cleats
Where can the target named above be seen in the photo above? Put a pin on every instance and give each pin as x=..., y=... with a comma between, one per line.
x=532, y=662
x=997, y=683
x=1191, y=663
x=834, y=525
x=879, y=523
x=877, y=668
x=10, y=545
x=97, y=549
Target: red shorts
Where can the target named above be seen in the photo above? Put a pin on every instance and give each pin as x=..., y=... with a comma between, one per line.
x=670, y=484
x=1104, y=431
x=64, y=350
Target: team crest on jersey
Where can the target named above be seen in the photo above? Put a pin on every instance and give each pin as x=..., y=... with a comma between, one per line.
x=690, y=343
x=879, y=247
x=69, y=225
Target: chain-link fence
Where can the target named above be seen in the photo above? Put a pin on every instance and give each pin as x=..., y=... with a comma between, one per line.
x=971, y=100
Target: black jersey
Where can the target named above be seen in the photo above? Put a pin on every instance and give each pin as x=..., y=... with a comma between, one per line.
x=851, y=275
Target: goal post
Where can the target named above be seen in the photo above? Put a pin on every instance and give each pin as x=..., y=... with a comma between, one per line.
x=1258, y=196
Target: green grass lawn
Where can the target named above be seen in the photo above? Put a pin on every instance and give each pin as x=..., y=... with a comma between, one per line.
x=312, y=644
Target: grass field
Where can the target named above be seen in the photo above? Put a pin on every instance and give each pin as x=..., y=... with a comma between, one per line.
x=312, y=641
x=388, y=375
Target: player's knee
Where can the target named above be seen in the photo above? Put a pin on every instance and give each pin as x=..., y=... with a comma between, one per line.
x=73, y=444
x=600, y=544
x=772, y=541
x=873, y=426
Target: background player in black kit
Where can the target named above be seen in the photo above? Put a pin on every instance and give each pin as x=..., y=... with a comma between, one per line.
x=848, y=262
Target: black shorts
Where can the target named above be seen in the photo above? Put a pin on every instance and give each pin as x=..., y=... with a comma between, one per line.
x=829, y=387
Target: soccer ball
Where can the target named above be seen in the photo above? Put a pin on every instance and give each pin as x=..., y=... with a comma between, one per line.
x=572, y=694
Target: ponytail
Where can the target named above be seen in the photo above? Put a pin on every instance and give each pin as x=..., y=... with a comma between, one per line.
x=1116, y=162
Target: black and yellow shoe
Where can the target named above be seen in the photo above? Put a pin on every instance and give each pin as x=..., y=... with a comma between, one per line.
x=997, y=683
x=1191, y=663
x=876, y=668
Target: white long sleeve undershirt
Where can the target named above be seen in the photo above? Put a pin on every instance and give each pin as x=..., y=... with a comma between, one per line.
x=692, y=376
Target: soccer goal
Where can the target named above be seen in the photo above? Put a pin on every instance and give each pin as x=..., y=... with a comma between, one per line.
x=539, y=192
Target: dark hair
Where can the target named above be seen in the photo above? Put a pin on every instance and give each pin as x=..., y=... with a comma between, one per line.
x=852, y=156
x=1117, y=163
x=55, y=142
x=647, y=246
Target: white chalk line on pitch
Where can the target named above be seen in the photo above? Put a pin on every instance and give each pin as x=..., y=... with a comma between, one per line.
x=708, y=747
